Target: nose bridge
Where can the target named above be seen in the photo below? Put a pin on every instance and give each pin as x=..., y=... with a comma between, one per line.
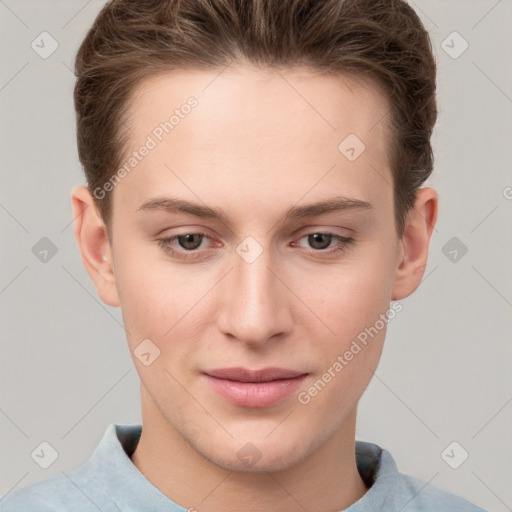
x=254, y=309
x=252, y=272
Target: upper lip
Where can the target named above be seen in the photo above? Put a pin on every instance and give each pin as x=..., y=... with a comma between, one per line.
x=247, y=375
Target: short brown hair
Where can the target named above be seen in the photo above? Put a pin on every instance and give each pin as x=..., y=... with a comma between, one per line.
x=383, y=40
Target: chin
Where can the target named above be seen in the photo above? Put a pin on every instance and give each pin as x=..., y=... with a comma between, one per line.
x=280, y=461
x=260, y=456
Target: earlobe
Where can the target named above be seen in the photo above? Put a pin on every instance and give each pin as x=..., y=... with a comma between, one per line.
x=420, y=222
x=92, y=240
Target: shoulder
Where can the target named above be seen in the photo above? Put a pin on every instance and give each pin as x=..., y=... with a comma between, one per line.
x=389, y=489
x=76, y=490
x=422, y=496
x=88, y=487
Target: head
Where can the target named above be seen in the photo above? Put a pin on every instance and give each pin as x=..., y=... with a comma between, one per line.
x=253, y=200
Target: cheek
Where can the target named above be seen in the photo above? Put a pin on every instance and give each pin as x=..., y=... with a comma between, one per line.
x=352, y=302
x=351, y=298
x=152, y=297
x=357, y=308
x=157, y=303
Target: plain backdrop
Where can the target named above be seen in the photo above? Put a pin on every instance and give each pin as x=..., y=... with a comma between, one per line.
x=445, y=374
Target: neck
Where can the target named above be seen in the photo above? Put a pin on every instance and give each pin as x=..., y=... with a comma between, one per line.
x=327, y=480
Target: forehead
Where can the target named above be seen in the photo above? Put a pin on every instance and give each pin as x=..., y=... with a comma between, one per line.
x=281, y=127
x=266, y=98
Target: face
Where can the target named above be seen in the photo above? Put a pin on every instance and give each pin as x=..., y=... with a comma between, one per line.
x=221, y=261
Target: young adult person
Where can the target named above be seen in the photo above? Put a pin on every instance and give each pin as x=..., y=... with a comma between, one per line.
x=254, y=205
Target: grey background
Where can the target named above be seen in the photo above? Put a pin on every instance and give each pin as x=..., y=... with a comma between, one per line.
x=445, y=373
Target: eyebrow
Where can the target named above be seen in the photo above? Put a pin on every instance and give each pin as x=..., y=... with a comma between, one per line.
x=176, y=205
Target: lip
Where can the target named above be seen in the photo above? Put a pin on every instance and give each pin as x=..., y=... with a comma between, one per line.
x=254, y=388
x=245, y=375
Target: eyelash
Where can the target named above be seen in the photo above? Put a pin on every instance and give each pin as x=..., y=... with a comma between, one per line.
x=164, y=243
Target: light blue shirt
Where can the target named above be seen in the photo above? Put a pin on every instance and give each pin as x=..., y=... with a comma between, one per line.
x=109, y=482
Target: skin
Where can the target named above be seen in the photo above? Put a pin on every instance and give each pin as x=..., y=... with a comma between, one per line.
x=254, y=147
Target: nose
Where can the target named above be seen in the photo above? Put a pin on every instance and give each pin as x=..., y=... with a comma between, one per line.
x=256, y=304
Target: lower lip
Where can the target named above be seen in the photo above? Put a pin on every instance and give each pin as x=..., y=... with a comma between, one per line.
x=255, y=394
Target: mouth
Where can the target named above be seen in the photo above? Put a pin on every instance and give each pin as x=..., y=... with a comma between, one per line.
x=254, y=388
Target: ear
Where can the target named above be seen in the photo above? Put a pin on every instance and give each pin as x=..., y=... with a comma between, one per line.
x=413, y=253
x=91, y=236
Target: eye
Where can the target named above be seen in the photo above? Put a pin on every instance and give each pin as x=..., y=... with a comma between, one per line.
x=320, y=241
x=188, y=243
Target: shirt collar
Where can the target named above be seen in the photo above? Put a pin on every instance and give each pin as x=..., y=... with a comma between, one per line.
x=130, y=490
x=123, y=482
